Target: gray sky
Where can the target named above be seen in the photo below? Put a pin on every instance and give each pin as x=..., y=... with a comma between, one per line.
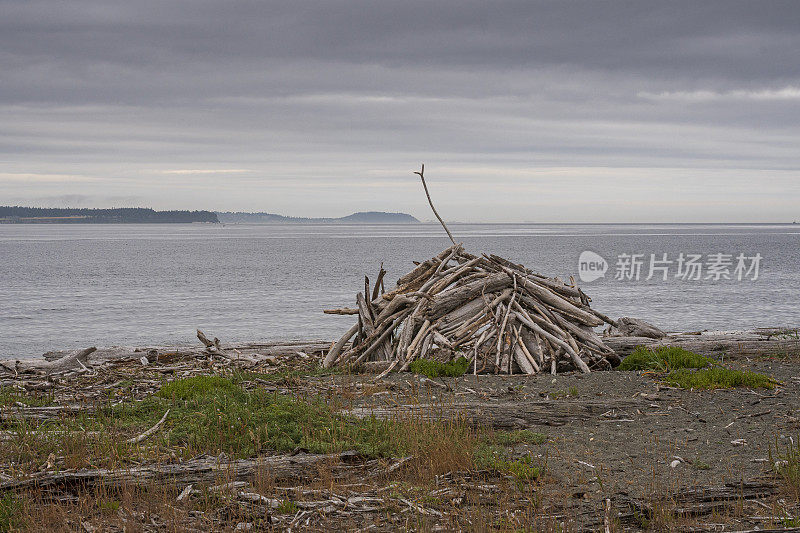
x=560, y=111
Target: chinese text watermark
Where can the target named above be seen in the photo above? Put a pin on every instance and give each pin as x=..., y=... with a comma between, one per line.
x=685, y=266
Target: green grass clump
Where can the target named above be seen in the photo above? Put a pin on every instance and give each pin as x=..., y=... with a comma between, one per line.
x=572, y=392
x=510, y=438
x=496, y=458
x=10, y=396
x=286, y=507
x=788, y=467
x=199, y=387
x=701, y=465
x=10, y=508
x=664, y=359
x=435, y=369
x=718, y=378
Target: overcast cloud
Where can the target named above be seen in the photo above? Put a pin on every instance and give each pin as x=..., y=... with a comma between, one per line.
x=522, y=111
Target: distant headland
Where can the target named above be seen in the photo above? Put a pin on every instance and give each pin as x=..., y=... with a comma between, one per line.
x=142, y=215
x=368, y=217
x=124, y=215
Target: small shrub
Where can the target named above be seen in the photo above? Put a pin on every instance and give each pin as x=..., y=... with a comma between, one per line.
x=701, y=465
x=493, y=457
x=718, y=378
x=571, y=393
x=435, y=369
x=664, y=359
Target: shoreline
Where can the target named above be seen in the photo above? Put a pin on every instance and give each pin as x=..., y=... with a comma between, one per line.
x=732, y=343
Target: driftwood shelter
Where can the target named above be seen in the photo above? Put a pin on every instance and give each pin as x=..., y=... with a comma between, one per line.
x=501, y=316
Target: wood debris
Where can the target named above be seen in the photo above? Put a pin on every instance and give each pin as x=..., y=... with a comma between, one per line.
x=499, y=315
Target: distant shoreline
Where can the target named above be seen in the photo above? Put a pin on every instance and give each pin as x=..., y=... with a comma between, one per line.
x=368, y=217
x=137, y=215
x=131, y=215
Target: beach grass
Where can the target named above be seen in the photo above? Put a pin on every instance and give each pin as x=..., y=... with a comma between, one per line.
x=435, y=369
x=787, y=466
x=664, y=359
x=718, y=378
x=690, y=370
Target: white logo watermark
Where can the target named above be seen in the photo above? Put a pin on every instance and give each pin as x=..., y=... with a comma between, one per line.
x=591, y=266
x=686, y=267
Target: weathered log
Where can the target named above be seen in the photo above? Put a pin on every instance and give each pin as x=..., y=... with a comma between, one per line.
x=72, y=361
x=203, y=470
x=341, y=311
x=501, y=415
x=635, y=327
x=716, y=345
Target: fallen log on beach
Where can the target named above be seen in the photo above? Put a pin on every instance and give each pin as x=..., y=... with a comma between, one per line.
x=201, y=470
x=501, y=415
x=71, y=361
x=64, y=362
x=776, y=342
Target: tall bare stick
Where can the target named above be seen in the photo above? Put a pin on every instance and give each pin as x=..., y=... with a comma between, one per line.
x=421, y=175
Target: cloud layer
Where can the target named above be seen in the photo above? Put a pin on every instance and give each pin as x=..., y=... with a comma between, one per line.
x=538, y=111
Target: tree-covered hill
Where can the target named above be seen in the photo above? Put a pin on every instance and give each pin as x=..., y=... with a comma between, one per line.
x=124, y=215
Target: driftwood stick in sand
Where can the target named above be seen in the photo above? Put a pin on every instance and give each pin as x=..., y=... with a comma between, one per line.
x=211, y=346
x=378, y=283
x=421, y=175
x=734, y=345
x=334, y=352
x=140, y=438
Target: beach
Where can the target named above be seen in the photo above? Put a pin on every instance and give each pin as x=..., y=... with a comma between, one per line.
x=260, y=436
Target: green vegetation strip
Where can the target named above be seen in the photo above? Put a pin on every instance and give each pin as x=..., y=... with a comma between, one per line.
x=718, y=378
x=214, y=413
x=663, y=359
x=693, y=371
x=435, y=369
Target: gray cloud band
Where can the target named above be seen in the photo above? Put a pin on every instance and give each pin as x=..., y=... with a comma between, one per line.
x=321, y=92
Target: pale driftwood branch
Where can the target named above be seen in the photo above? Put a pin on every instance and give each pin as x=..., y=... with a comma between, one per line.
x=140, y=438
x=341, y=311
x=421, y=175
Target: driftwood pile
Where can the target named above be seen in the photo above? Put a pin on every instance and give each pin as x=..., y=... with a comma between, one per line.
x=501, y=316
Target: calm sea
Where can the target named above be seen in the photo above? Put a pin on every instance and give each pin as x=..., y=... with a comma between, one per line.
x=72, y=286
